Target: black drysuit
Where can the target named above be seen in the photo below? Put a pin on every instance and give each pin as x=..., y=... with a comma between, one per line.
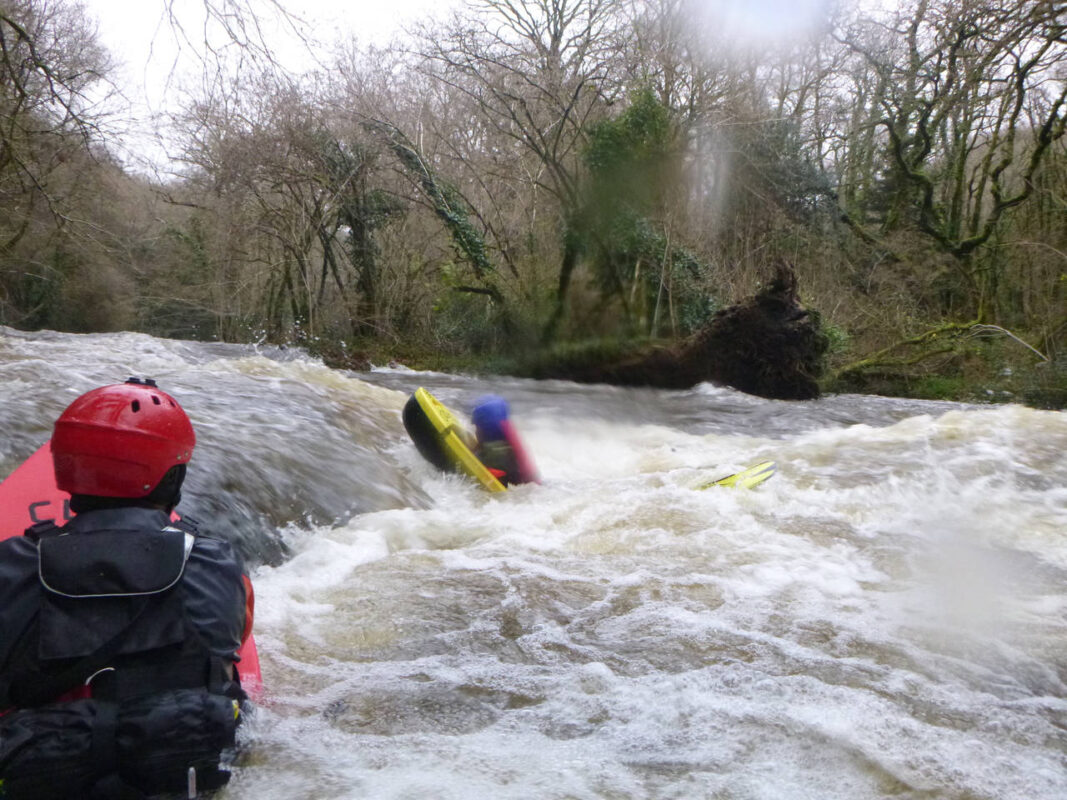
x=149, y=615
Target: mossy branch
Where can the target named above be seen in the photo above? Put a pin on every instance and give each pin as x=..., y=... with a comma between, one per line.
x=882, y=357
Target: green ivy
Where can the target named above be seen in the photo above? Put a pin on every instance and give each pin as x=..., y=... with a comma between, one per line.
x=633, y=163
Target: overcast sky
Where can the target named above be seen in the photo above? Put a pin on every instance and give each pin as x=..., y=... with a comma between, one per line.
x=145, y=45
x=138, y=33
x=132, y=29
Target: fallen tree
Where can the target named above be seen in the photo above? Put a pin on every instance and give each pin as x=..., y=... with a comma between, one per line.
x=767, y=345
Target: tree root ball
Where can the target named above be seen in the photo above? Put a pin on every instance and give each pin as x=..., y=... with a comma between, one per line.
x=767, y=345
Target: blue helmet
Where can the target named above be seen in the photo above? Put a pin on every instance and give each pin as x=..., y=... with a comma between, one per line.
x=489, y=411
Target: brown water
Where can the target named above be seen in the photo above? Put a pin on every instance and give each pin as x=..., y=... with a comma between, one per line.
x=884, y=618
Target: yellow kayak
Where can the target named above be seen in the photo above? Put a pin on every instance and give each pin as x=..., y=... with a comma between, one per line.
x=442, y=440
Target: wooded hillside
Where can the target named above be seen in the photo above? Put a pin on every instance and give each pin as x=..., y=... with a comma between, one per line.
x=536, y=172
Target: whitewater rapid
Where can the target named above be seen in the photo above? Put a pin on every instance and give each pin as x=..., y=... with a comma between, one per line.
x=885, y=618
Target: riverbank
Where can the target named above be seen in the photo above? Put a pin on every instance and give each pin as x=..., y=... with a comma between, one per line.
x=990, y=372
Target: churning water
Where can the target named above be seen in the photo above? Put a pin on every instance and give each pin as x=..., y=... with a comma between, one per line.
x=885, y=618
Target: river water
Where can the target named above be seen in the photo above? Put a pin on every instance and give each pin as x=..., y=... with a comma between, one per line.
x=884, y=618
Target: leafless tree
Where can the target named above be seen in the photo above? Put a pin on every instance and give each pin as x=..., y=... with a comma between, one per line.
x=969, y=97
x=539, y=72
x=54, y=106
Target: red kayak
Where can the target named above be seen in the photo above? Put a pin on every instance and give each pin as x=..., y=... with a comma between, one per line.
x=29, y=495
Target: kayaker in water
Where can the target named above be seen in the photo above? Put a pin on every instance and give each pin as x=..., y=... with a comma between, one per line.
x=498, y=446
x=119, y=630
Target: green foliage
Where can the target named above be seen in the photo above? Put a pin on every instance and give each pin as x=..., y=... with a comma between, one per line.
x=632, y=159
x=696, y=310
x=837, y=339
x=362, y=208
x=941, y=387
x=634, y=166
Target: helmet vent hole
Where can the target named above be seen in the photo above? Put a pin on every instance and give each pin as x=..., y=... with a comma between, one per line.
x=155, y=400
x=136, y=406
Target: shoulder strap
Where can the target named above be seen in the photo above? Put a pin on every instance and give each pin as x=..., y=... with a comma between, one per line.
x=186, y=525
x=39, y=530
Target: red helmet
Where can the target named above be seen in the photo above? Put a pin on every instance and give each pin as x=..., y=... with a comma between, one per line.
x=119, y=441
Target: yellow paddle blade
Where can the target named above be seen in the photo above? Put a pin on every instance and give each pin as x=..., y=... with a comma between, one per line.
x=747, y=478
